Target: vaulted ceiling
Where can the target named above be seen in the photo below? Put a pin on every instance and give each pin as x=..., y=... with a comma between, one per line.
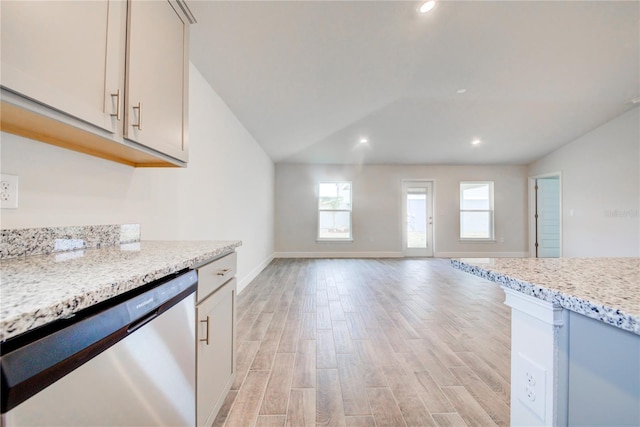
x=309, y=79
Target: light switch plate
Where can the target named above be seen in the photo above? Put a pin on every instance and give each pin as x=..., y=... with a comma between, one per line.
x=8, y=191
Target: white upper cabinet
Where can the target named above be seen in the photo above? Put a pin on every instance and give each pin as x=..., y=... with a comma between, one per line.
x=156, y=77
x=104, y=77
x=61, y=54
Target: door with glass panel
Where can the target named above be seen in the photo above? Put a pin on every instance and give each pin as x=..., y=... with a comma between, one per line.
x=417, y=216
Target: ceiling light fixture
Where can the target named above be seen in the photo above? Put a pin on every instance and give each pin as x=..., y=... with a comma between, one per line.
x=461, y=90
x=427, y=6
x=636, y=100
x=475, y=142
x=363, y=140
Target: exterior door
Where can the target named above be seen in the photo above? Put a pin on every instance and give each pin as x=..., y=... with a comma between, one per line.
x=417, y=218
x=548, y=217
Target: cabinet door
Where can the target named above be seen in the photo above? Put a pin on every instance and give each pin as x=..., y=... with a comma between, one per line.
x=61, y=54
x=156, y=77
x=216, y=351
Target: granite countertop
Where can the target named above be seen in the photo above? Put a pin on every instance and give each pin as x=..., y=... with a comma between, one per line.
x=36, y=290
x=605, y=289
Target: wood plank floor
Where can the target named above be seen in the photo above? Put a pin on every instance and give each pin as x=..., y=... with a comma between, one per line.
x=370, y=342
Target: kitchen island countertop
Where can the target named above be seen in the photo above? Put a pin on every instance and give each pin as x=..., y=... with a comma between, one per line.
x=605, y=289
x=36, y=290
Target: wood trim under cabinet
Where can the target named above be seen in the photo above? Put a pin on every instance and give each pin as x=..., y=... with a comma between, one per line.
x=22, y=122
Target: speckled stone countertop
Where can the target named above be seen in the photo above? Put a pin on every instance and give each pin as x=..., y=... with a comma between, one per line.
x=605, y=289
x=36, y=290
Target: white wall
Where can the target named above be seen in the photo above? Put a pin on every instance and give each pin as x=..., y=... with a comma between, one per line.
x=377, y=209
x=226, y=192
x=600, y=189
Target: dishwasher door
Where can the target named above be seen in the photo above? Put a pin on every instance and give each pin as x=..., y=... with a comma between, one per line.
x=146, y=379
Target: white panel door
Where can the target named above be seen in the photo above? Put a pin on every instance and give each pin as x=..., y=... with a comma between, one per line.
x=417, y=218
x=548, y=210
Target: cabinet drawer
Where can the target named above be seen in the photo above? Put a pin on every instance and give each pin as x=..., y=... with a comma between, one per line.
x=215, y=274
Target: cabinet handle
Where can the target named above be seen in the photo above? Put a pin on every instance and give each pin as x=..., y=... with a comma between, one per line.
x=206, y=340
x=223, y=272
x=139, y=108
x=118, y=114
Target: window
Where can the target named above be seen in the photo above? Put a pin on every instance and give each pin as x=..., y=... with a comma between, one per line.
x=476, y=210
x=334, y=211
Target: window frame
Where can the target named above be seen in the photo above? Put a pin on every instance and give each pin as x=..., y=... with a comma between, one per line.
x=491, y=212
x=320, y=210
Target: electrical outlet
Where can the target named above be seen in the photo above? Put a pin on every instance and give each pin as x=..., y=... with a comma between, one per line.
x=8, y=191
x=531, y=385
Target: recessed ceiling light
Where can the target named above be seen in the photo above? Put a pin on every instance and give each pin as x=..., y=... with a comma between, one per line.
x=461, y=91
x=427, y=6
x=475, y=142
x=636, y=100
x=363, y=140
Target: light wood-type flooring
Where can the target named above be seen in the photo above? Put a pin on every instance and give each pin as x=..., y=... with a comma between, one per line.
x=370, y=342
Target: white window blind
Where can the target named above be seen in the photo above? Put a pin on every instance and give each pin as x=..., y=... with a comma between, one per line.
x=476, y=210
x=334, y=211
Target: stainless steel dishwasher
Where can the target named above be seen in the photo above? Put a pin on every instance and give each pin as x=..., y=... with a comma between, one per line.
x=127, y=362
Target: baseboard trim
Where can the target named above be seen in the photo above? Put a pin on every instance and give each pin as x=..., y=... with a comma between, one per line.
x=338, y=255
x=254, y=273
x=391, y=254
x=482, y=254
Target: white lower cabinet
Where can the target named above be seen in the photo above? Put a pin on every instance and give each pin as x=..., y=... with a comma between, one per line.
x=216, y=343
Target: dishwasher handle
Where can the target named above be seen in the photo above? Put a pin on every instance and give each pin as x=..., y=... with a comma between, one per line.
x=143, y=321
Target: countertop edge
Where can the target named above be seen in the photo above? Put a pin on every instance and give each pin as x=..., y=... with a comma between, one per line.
x=27, y=321
x=601, y=312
